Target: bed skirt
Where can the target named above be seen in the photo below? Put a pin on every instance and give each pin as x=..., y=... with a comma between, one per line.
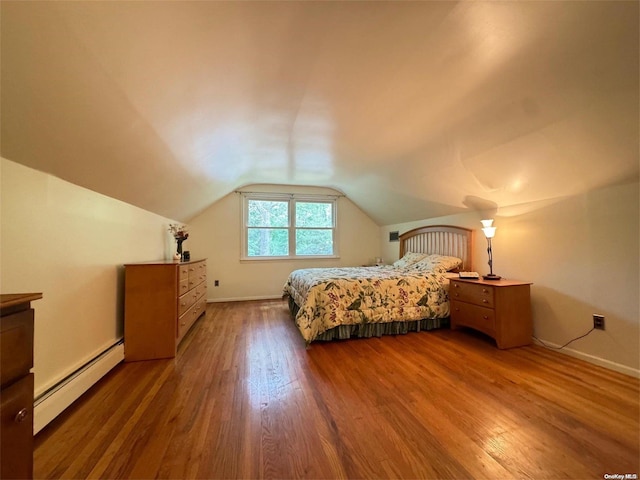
x=368, y=330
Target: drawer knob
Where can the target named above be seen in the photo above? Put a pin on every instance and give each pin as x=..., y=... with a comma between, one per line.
x=485, y=317
x=457, y=294
x=484, y=290
x=457, y=309
x=484, y=300
x=21, y=415
x=183, y=324
x=456, y=285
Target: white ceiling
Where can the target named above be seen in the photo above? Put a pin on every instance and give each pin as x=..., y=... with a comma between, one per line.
x=413, y=109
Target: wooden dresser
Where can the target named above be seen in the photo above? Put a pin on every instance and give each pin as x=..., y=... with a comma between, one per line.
x=16, y=406
x=162, y=300
x=498, y=308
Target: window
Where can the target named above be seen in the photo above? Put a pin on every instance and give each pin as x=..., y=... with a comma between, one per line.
x=288, y=226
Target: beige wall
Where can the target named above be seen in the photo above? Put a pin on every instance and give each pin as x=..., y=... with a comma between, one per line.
x=582, y=255
x=215, y=234
x=70, y=243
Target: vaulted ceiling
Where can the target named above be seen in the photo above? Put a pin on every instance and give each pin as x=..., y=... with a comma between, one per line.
x=412, y=109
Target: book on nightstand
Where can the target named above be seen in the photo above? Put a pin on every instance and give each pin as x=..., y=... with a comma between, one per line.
x=471, y=275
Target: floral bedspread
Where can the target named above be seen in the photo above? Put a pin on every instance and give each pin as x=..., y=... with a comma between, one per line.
x=329, y=297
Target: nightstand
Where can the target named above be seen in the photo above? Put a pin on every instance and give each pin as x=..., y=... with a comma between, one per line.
x=498, y=308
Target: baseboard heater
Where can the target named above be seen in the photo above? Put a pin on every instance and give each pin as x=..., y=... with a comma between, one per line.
x=56, y=399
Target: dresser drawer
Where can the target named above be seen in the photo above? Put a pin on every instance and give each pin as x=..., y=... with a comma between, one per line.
x=197, y=273
x=16, y=345
x=16, y=429
x=183, y=273
x=186, y=301
x=469, y=315
x=201, y=306
x=183, y=287
x=201, y=291
x=194, y=268
x=482, y=295
x=200, y=279
x=184, y=322
x=202, y=268
x=195, y=282
x=189, y=317
x=202, y=271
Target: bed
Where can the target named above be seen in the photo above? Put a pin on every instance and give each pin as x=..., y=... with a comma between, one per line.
x=411, y=295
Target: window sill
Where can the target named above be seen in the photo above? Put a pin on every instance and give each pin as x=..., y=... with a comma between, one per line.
x=280, y=259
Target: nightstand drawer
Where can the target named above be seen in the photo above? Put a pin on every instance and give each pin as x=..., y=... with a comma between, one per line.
x=468, y=292
x=480, y=318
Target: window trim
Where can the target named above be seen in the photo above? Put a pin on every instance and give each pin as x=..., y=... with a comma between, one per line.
x=292, y=199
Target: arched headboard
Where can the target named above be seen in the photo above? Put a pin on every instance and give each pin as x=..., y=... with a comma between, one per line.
x=441, y=239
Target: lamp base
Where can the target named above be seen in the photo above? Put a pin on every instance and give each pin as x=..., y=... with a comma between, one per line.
x=491, y=277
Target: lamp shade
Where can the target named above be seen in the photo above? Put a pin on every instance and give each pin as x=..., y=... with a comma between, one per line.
x=487, y=223
x=489, y=232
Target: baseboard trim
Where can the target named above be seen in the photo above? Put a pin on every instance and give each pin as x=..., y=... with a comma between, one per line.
x=57, y=399
x=617, y=367
x=243, y=299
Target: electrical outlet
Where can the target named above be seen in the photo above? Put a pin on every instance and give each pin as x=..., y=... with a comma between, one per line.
x=216, y=283
x=598, y=321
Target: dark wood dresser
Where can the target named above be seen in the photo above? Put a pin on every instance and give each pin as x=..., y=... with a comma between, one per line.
x=16, y=389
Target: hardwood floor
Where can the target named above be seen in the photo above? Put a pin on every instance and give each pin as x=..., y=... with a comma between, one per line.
x=245, y=399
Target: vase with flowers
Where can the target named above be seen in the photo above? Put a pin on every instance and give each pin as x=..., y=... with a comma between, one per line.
x=180, y=234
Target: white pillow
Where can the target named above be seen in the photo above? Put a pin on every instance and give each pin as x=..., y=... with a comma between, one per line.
x=408, y=259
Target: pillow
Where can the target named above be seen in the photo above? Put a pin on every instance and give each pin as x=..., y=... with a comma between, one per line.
x=408, y=259
x=440, y=263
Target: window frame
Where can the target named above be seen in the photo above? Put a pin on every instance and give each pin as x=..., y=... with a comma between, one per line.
x=291, y=199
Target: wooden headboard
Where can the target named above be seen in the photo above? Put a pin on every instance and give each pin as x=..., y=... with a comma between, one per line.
x=440, y=239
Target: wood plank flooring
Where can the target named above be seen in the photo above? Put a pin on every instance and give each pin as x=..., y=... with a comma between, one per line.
x=244, y=398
